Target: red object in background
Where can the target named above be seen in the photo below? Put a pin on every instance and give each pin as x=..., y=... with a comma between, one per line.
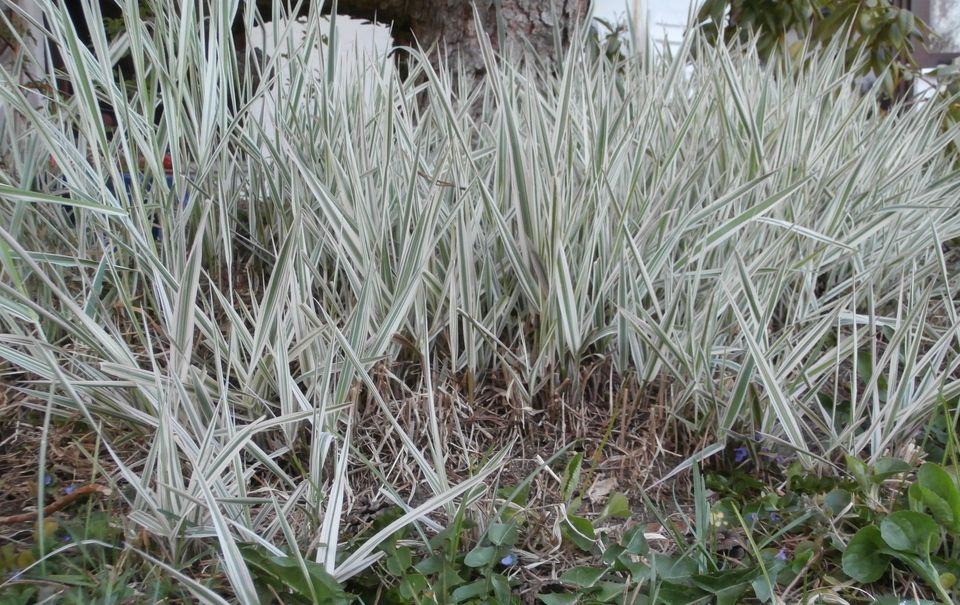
x=167, y=163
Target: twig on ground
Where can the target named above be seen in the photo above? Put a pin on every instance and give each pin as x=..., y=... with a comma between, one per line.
x=58, y=504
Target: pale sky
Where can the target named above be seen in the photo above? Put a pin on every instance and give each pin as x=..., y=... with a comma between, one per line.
x=662, y=12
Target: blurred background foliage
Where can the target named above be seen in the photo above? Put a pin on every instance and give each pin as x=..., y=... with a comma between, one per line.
x=881, y=37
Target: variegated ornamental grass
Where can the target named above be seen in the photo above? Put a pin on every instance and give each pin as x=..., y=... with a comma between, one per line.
x=756, y=240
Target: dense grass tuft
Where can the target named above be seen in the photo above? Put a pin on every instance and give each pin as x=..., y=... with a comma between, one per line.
x=765, y=247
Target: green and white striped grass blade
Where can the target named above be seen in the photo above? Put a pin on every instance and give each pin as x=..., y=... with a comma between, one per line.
x=784, y=411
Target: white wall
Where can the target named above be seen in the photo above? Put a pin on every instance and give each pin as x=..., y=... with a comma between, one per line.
x=359, y=46
x=945, y=20
x=31, y=56
x=666, y=18
x=358, y=42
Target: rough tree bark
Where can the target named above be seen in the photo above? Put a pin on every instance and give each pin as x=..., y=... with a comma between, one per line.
x=449, y=24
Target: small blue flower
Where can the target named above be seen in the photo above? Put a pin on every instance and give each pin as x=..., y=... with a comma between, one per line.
x=740, y=454
x=69, y=489
x=508, y=560
x=757, y=436
x=780, y=460
x=67, y=538
x=782, y=555
x=751, y=517
x=775, y=516
x=47, y=479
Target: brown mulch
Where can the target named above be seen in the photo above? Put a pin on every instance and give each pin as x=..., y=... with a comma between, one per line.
x=71, y=469
x=622, y=430
x=627, y=439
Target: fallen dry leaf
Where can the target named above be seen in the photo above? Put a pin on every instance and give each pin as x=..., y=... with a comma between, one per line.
x=600, y=489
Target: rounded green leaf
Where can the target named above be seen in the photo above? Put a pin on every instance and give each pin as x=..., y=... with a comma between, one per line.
x=501, y=534
x=580, y=531
x=469, y=591
x=609, y=592
x=864, y=559
x=885, y=467
x=635, y=542
x=939, y=492
x=480, y=556
x=399, y=561
x=938, y=507
x=837, y=500
x=726, y=582
x=431, y=565
x=618, y=506
x=558, y=598
x=911, y=531
x=583, y=577
x=858, y=469
x=412, y=585
x=501, y=588
x=612, y=553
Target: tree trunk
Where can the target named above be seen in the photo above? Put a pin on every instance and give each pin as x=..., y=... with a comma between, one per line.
x=449, y=25
x=445, y=25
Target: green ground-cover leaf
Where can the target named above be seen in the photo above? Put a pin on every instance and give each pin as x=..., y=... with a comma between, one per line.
x=936, y=489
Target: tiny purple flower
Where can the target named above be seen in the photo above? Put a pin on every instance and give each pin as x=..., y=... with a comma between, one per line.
x=67, y=538
x=780, y=460
x=782, y=555
x=508, y=560
x=47, y=479
x=740, y=454
x=757, y=436
x=69, y=489
x=751, y=517
x=775, y=516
